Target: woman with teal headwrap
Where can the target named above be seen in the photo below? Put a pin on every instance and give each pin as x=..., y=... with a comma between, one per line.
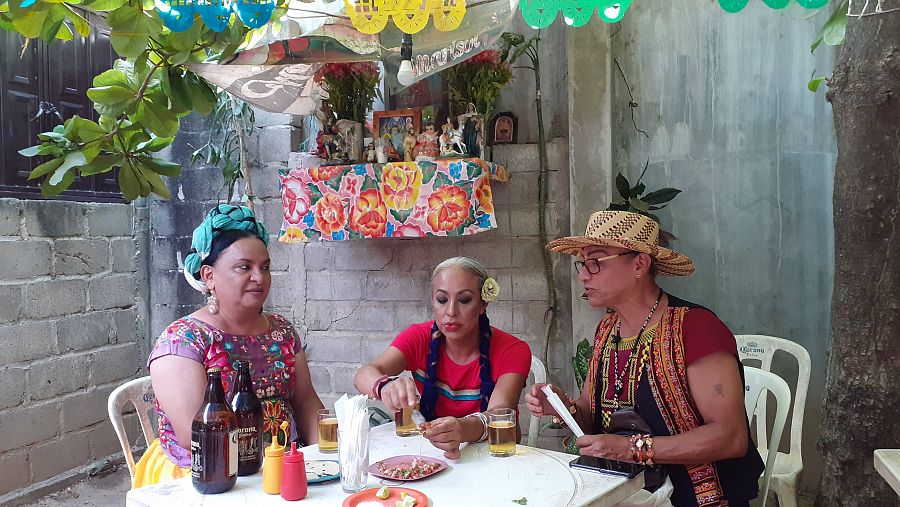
x=229, y=263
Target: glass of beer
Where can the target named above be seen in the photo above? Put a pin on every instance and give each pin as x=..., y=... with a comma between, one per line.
x=502, y=432
x=403, y=420
x=328, y=429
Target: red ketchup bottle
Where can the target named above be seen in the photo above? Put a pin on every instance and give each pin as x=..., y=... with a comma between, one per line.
x=293, y=475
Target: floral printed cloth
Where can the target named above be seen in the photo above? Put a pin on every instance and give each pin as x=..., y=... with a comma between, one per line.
x=271, y=357
x=446, y=197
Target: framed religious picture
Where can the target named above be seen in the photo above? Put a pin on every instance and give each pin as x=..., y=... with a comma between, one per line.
x=394, y=127
x=504, y=129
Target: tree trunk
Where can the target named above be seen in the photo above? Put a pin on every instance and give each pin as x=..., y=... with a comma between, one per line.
x=862, y=393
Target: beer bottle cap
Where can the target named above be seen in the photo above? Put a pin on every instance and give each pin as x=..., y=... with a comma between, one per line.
x=215, y=369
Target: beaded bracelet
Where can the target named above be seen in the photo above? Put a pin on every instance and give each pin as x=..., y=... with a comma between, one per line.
x=642, y=449
x=484, y=422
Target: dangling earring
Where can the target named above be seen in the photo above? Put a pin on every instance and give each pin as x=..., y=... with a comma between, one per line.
x=212, y=304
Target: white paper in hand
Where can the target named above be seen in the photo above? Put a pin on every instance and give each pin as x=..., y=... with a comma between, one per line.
x=562, y=410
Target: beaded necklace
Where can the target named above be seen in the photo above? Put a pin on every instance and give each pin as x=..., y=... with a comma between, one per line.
x=619, y=385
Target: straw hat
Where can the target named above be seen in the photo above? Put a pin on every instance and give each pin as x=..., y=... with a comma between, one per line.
x=624, y=229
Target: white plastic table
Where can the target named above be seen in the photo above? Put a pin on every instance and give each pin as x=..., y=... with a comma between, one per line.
x=543, y=477
x=887, y=463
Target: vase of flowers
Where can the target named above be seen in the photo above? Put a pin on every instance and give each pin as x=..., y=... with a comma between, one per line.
x=350, y=89
x=478, y=81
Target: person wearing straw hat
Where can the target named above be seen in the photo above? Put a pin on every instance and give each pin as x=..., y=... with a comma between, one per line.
x=229, y=263
x=664, y=385
x=461, y=365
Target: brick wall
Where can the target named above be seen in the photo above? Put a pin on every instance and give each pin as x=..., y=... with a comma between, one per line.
x=350, y=298
x=70, y=315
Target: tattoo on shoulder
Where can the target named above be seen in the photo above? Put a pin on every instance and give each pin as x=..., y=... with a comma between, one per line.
x=720, y=390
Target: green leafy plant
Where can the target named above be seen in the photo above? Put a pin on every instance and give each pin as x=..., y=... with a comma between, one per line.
x=232, y=122
x=831, y=34
x=351, y=88
x=632, y=198
x=478, y=81
x=139, y=101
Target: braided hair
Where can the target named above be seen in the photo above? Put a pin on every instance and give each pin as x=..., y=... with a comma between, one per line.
x=429, y=390
x=222, y=226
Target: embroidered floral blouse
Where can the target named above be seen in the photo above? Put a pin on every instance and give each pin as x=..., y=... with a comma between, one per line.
x=271, y=357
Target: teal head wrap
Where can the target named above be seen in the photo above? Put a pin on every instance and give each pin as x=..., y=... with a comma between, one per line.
x=223, y=217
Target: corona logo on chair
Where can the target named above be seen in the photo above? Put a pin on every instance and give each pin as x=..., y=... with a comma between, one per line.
x=752, y=348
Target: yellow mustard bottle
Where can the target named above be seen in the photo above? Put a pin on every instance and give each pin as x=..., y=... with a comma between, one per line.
x=271, y=479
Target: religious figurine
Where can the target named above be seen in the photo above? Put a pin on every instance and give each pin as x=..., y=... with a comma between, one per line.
x=389, y=150
x=371, y=155
x=427, y=144
x=397, y=140
x=471, y=125
x=409, y=145
x=451, y=141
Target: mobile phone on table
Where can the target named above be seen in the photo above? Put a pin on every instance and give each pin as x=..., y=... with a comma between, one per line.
x=608, y=466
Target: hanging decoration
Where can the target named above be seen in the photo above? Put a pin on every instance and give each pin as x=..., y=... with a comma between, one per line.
x=178, y=15
x=737, y=5
x=410, y=16
x=542, y=13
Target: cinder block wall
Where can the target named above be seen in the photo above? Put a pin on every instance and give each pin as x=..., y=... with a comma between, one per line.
x=350, y=298
x=70, y=321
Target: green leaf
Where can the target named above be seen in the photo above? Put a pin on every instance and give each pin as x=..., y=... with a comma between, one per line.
x=103, y=5
x=441, y=179
x=54, y=27
x=81, y=25
x=814, y=84
x=48, y=190
x=158, y=119
x=428, y=171
x=314, y=194
x=155, y=144
x=31, y=151
x=161, y=166
x=29, y=22
x=368, y=184
x=130, y=31
x=110, y=95
x=583, y=352
x=521, y=501
x=662, y=195
x=73, y=159
x=84, y=130
x=157, y=186
x=101, y=164
x=402, y=215
x=832, y=32
x=334, y=182
x=45, y=168
x=638, y=189
x=638, y=204
x=113, y=77
x=623, y=186
x=203, y=98
x=128, y=182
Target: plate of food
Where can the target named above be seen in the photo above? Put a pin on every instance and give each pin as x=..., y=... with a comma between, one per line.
x=407, y=468
x=387, y=496
x=322, y=471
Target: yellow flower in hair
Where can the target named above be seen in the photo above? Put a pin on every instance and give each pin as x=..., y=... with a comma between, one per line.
x=490, y=290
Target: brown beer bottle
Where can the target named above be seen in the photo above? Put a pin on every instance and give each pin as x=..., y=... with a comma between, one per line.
x=248, y=413
x=214, y=456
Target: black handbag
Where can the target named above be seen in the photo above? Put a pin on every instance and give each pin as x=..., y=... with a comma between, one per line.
x=626, y=421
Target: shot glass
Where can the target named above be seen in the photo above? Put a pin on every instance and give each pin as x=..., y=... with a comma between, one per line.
x=328, y=431
x=502, y=432
x=403, y=420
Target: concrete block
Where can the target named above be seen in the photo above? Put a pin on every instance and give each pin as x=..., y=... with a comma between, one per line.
x=25, y=342
x=275, y=143
x=397, y=286
x=281, y=255
x=55, y=297
x=103, y=440
x=110, y=219
x=24, y=259
x=58, y=375
x=319, y=255
x=53, y=458
x=10, y=212
x=493, y=254
x=270, y=213
x=504, y=220
x=342, y=379
x=28, y=425
x=15, y=471
x=529, y=285
x=528, y=318
x=376, y=344
x=522, y=188
x=349, y=285
x=518, y=157
x=125, y=326
x=11, y=307
x=500, y=314
x=266, y=183
x=424, y=253
x=78, y=256
x=318, y=285
x=85, y=409
x=162, y=252
x=263, y=118
x=523, y=221
x=114, y=291
x=283, y=290
x=12, y=387
x=123, y=253
x=83, y=331
x=200, y=183
x=527, y=253
x=332, y=347
x=321, y=377
x=116, y=364
x=55, y=218
x=160, y=318
x=365, y=255
x=174, y=218
x=369, y=316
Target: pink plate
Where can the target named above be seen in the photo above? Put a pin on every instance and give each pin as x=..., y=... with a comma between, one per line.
x=398, y=460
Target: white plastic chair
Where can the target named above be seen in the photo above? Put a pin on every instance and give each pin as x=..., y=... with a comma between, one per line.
x=140, y=393
x=786, y=472
x=534, y=424
x=756, y=381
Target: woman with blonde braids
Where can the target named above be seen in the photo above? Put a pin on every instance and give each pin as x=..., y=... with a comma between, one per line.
x=229, y=262
x=461, y=366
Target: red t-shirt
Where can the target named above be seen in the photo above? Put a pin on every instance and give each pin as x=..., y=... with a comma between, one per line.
x=459, y=385
x=705, y=334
